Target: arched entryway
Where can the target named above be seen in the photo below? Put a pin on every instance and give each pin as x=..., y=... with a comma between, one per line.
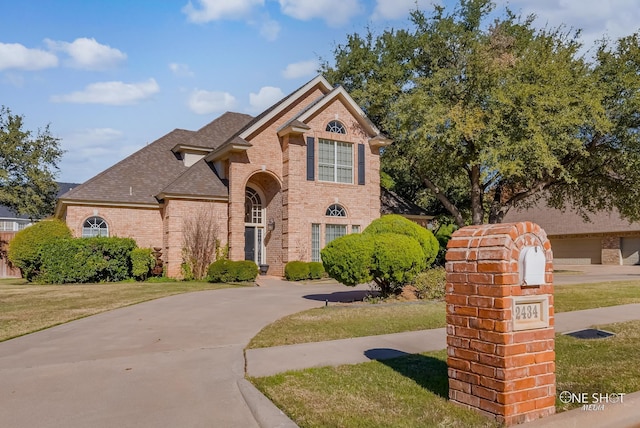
x=263, y=220
x=254, y=226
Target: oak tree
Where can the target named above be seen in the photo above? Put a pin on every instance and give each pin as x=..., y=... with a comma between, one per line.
x=28, y=167
x=489, y=115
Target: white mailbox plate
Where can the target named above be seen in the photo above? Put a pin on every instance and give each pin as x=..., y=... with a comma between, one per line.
x=530, y=312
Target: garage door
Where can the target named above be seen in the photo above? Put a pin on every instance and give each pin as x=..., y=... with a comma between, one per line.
x=630, y=250
x=576, y=251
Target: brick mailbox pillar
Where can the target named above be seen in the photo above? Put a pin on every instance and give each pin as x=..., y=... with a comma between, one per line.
x=500, y=335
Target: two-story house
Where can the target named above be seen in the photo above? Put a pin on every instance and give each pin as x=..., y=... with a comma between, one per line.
x=280, y=186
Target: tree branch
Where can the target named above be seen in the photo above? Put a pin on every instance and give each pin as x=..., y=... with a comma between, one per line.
x=445, y=201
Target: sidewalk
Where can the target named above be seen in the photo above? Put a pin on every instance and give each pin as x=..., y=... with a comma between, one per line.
x=270, y=361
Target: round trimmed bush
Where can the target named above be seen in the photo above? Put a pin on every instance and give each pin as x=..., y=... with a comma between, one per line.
x=348, y=259
x=397, y=259
x=394, y=223
x=296, y=271
x=316, y=270
x=25, y=248
x=230, y=271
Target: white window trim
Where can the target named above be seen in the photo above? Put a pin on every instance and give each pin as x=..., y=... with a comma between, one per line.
x=335, y=165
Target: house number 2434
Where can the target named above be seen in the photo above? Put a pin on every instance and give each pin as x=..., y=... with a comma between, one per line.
x=527, y=312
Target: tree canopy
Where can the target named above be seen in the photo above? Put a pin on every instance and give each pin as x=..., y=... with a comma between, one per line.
x=486, y=116
x=28, y=167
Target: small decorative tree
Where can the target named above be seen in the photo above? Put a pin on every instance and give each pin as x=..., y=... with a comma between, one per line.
x=201, y=243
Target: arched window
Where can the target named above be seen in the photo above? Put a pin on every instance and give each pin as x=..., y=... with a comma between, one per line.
x=95, y=226
x=252, y=207
x=336, y=126
x=336, y=210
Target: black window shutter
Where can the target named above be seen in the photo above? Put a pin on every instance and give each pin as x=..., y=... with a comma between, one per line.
x=361, y=164
x=311, y=161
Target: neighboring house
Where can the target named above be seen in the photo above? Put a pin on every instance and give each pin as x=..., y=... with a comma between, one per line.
x=606, y=239
x=280, y=185
x=392, y=203
x=10, y=224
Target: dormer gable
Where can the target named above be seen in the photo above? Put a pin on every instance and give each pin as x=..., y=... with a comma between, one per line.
x=190, y=154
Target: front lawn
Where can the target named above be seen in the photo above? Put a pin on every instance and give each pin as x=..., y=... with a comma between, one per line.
x=357, y=320
x=411, y=391
x=25, y=308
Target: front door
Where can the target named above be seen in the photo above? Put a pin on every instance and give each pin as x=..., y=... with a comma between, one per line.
x=250, y=243
x=254, y=246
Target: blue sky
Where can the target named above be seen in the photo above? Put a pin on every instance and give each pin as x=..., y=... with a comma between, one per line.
x=112, y=76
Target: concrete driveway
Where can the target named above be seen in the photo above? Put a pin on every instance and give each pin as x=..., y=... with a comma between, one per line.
x=172, y=362
x=579, y=274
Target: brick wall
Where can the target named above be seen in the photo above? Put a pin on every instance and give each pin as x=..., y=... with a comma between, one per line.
x=273, y=161
x=176, y=212
x=506, y=374
x=143, y=225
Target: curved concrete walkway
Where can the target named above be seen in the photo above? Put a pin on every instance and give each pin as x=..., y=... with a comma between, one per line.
x=172, y=362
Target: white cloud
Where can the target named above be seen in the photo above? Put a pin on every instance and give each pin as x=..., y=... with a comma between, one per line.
x=213, y=10
x=301, y=69
x=397, y=9
x=90, y=150
x=265, y=98
x=181, y=70
x=111, y=93
x=269, y=29
x=15, y=55
x=334, y=12
x=88, y=54
x=206, y=102
x=596, y=18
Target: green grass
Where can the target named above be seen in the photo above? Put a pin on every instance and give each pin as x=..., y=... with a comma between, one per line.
x=401, y=392
x=25, y=308
x=338, y=322
x=586, y=296
x=599, y=366
x=411, y=391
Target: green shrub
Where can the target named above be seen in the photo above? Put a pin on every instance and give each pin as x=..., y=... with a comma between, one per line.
x=85, y=260
x=296, y=271
x=394, y=223
x=142, y=261
x=348, y=259
x=443, y=235
x=396, y=261
x=431, y=283
x=25, y=248
x=230, y=271
x=316, y=270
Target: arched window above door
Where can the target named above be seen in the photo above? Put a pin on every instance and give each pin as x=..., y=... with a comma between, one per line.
x=253, y=212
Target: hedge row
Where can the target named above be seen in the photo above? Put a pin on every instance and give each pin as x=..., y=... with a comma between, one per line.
x=298, y=271
x=83, y=260
x=230, y=271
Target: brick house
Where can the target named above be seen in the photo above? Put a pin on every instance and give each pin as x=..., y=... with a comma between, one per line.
x=606, y=239
x=280, y=186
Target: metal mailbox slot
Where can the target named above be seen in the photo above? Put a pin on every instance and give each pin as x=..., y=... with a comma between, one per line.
x=532, y=265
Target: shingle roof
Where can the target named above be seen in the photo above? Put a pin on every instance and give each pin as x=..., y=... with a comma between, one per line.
x=557, y=222
x=392, y=203
x=200, y=180
x=155, y=169
x=139, y=177
x=215, y=133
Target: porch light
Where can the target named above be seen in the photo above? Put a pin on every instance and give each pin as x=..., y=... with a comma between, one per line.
x=271, y=225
